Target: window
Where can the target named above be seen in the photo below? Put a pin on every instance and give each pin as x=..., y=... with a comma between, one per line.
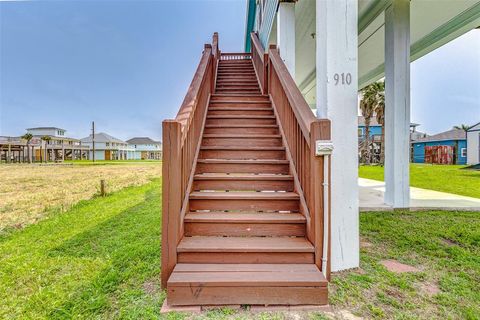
x=360, y=132
x=463, y=152
x=107, y=144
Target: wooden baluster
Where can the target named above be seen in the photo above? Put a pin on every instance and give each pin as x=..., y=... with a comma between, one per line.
x=172, y=195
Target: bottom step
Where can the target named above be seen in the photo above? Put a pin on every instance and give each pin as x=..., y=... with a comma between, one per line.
x=251, y=284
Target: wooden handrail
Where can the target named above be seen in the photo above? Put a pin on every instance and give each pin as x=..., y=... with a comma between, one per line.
x=181, y=145
x=295, y=98
x=260, y=62
x=300, y=130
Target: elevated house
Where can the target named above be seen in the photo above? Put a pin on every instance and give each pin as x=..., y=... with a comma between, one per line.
x=257, y=209
x=52, y=144
x=449, y=147
x=146, y=148
x=473, y=144
x=103, y=146
x=376, y=135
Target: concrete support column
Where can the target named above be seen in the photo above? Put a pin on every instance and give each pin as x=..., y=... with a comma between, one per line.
x=337, y=100
x=397, y=104
x=286, y=34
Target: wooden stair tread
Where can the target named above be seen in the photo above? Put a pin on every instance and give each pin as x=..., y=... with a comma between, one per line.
x=242, y=136
x=241, y=126
x=240, y=148
x=239, y=176
x=240, y=117
x=244, y=195
x=244, y=244
x=247, y=275
x=244, y=217
x=241, y=161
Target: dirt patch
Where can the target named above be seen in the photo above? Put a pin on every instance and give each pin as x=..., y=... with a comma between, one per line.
x=151, y=287
x=430, y=289
x=450, y=242
x=398, y=267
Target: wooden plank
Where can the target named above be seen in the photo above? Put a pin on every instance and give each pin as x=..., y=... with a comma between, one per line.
x=245, y=195
x=247, y=295
x=256, y=217
x=171, y=200
x=247, y=279
x=234, y=184
x=216, y=267
x=250, y=257
x=244, y=229
x=240, y=153
x=244, y=244
x=266, y=205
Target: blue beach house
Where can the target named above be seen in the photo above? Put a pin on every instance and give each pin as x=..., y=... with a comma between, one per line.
x=454, y=140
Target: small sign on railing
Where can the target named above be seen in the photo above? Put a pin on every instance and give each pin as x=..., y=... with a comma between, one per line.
x=323, y=147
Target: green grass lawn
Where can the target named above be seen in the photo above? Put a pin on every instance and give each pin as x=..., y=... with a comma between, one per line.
x=452, y=179
x=101, y=260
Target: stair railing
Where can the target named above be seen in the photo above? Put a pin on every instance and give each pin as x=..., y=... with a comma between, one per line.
x=260, y=62
x=300, y=129
x=181, y=145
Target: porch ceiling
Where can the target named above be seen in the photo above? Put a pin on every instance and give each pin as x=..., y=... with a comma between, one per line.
x=433, y=23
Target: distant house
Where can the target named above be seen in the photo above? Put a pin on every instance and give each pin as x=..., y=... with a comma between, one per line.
x=58, y=146
x=376, y=134
x=146, y=148
x=473, y=144
x=449, y=147
x=108, y=147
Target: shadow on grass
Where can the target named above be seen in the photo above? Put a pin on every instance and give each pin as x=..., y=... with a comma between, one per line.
x=129, y=244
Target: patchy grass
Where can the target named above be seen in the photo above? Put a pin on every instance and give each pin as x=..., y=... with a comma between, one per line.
x=101, y=260
x=30, y=192
x=444, y=245
x=452, y=179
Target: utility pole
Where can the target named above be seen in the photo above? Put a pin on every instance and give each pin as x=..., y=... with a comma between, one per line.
x=93, y=140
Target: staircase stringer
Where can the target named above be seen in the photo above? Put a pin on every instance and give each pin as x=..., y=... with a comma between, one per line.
x=298, y=188
x=186, y=200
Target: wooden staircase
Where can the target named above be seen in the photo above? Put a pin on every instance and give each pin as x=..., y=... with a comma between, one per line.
x=241, y=234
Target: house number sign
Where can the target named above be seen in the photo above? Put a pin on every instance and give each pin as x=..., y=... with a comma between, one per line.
x=342, y=78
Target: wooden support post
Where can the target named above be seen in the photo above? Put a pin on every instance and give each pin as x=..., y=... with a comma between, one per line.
x=102, y=188
x=319, y=130
x=171, y=196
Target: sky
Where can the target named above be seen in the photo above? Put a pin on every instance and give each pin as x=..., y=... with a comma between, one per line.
x=127, y=65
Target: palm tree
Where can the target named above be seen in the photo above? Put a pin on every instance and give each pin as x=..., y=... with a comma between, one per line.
x=46, y=139
x=463, y=127
x=373, y=101
x=380, y=115
x=28, y=137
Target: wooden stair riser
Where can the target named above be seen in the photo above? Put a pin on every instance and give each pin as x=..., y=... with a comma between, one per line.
x=232, y=121
x=242, y=154
x=239, y=98
x=237, y=91
x=198, y=295
x=243, y=185
x=244, y=229
x=244, y=205
x=241, y=130
x=242, y=142
x=241, y=112
x=247, y=257
x=242, y=105
x=242, y=168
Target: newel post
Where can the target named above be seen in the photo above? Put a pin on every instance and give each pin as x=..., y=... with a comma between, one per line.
x=320, y=131
x=171, y=195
